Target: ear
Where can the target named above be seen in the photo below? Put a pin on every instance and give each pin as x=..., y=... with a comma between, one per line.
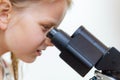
x=5, y=10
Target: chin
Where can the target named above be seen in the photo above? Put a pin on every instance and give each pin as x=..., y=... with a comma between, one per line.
x=29, y=60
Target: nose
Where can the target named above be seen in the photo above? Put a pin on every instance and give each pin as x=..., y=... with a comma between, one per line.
x=48, y=42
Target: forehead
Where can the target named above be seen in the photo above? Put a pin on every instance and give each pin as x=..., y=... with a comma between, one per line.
x=51, y=4
x=54, y=1
x=47, y=11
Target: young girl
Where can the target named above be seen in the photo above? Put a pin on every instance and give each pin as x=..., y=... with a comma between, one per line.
x=23, y=28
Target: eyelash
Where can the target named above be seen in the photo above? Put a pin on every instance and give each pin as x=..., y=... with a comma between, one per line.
x=46, y=28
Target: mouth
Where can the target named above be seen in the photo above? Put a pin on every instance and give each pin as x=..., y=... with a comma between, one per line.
x=38, y=52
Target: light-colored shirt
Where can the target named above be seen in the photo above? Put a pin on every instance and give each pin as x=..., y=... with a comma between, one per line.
x=6, y=71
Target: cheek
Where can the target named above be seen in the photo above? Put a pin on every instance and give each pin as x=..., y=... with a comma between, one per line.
x=32, y=36
x=25, y=38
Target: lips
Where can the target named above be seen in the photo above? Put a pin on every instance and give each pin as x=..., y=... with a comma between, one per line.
x=38, y=52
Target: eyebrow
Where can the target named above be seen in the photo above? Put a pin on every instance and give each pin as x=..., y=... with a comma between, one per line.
x=51, y=22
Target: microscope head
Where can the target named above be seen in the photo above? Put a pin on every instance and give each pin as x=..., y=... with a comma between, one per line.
x=81, y=51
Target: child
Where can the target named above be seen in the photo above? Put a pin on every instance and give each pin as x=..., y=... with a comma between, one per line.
x=23, y=28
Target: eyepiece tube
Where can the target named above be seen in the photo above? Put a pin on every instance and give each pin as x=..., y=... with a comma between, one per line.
x=52, y=33
x=59, y=38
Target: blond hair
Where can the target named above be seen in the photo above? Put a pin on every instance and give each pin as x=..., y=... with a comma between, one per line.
x=14, y=66
x=13, y=58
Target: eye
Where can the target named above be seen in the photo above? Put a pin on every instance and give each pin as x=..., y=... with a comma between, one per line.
x=46, y=28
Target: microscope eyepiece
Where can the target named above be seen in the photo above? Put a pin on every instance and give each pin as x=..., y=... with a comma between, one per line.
x=52, y=33
x=59, y=38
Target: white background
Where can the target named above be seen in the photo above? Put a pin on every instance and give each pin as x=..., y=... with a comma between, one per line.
x=100, y=17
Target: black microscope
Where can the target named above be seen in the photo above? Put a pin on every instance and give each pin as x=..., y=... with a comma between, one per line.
x=82, y=51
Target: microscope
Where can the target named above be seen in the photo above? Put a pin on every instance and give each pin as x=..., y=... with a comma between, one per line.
x=82, y=51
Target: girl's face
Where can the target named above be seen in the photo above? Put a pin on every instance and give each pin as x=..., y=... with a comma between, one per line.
x=27, y=29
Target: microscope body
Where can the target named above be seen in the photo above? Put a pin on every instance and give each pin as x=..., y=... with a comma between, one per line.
x=82, y=51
